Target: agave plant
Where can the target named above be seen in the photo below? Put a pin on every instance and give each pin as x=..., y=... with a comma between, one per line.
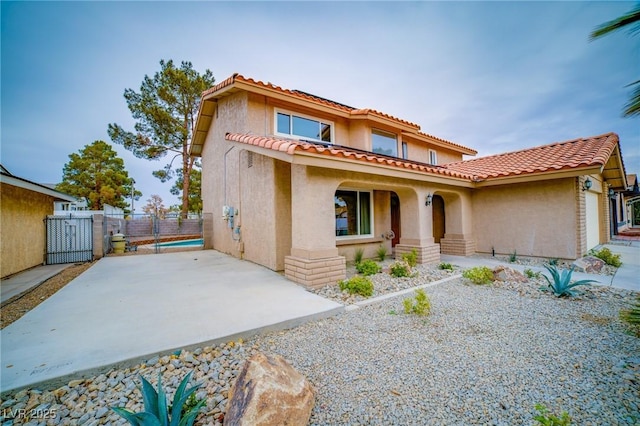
x=561, y=284
x=156, y=411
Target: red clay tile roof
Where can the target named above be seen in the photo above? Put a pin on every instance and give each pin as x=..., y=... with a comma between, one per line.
x=325, y=102
x=290, y=146
x=237, y=77
x=584, y=152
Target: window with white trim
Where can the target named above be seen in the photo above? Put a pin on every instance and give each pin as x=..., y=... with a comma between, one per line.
x=384, y=143
x=405, y=150
x=354, y=213
x=433, y=157
x=305, y=127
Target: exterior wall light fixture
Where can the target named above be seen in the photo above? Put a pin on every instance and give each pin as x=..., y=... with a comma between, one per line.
x=587, y=185
x=428, y=201
x=612, y=194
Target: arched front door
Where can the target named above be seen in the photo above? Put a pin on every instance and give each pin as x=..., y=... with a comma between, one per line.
x=437, y=207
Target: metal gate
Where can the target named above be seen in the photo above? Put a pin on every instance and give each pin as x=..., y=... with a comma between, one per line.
x=69, y=239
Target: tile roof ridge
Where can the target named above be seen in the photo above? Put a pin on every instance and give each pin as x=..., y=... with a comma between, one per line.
x=365, y=111
x=535, y=148
x=303, y=95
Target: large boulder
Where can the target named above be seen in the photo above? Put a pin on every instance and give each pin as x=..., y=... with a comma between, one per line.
x=589, y=264
x=269, y=391
x=504, y=273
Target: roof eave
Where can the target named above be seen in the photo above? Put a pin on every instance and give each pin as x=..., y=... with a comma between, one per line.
x=537, y=176
x=35, y=187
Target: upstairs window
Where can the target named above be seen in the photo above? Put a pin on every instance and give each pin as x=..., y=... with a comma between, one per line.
x=384, y=143
x=433, y=157
x=405, y=151
x=303, y=127
x=353, y=213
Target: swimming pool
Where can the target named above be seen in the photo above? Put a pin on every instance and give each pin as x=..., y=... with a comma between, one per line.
x=182, y=243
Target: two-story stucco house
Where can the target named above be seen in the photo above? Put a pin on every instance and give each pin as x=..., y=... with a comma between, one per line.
x=297, y=183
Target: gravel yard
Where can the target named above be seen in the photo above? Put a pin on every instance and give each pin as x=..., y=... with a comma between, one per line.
x=485, y=355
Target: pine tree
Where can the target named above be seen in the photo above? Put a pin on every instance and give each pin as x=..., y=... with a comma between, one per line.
x=98, y=174
x=165, y=109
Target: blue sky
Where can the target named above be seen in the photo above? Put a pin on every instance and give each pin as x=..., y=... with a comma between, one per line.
x=494, y=76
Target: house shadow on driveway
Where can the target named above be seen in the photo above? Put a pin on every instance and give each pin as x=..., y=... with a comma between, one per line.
x=124, y=310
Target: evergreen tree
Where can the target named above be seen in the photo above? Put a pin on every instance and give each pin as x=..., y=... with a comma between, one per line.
x=98, y=174
x=165, y=109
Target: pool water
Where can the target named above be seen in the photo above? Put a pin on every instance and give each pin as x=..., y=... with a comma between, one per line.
x=182, y=243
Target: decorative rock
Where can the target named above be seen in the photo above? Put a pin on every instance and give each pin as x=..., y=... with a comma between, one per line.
x=504, y=273
x=589, y=264
x=75, y=383
x=269, y=391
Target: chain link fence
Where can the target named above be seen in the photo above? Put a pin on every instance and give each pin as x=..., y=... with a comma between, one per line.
x=153, y=234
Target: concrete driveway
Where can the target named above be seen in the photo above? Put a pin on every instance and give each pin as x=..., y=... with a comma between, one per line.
x=128, y=309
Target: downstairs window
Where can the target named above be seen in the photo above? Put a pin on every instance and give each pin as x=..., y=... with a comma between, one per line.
x=353, y=213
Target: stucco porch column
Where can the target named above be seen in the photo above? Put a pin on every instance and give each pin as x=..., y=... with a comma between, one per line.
x=458, y=239
x=314, y=259
x=417, y=229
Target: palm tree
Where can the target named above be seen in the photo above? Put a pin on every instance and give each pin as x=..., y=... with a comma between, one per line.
x=629, y=20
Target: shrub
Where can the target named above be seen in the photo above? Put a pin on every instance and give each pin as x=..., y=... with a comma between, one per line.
x=513, y=257
x=368, y=267
x=608, y=257
x=554, y=261
x=479, y=275
x=421, y=306
x=381, y=253
x=632, y=316
x=530, y=274
x=544, y=418
x=411, y=258
x=399, y=269
x=357, y=255
x=358, y=285
x=156, y=411
x=446, y=266
x=561, y=284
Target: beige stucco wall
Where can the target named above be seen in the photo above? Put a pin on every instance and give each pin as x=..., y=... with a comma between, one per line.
x=532, y=219
x=257, y=188
x=220, y=162
x=419, y=151
x=22, y=228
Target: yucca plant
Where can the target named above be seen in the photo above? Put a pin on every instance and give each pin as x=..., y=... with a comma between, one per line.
x=156, y=411
x=560, y=283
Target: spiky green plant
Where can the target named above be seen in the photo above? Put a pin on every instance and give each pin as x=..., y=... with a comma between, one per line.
x=156, y=411
x=632, y=316
x=358, y=255
x=513, y=257
x=560, y=283
x=381, y=253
